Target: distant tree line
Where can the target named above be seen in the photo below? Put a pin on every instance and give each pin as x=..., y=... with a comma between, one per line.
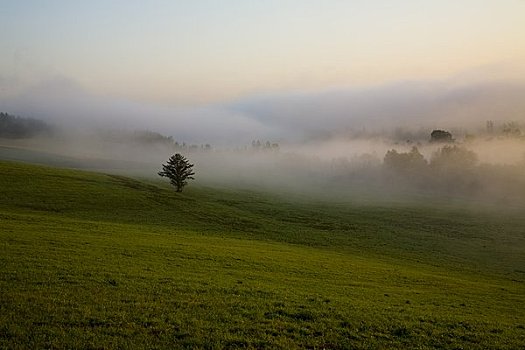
x=450, y=168
x=258, y=145
x=410, y=135
x=14, y=127
x=137, y=136
x=191, y=147
x=150, y=138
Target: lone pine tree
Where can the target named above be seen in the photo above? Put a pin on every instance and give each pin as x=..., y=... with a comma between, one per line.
x=178, y=169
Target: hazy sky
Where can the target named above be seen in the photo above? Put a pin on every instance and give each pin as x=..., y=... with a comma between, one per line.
x=202, y=51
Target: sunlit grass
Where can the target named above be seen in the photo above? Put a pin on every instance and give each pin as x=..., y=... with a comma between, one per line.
x=97, y=261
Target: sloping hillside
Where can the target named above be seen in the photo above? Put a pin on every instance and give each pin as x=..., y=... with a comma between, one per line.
x=102, y=261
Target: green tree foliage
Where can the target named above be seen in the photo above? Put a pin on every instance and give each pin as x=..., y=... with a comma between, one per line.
x=440, y=136
x=405, y=162
x=454, y=157
x=405, y=169
x=178, y=169
x=451, y=169
x=454, y=168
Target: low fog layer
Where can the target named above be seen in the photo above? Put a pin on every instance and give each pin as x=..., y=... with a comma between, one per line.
x=483, y=168
x=367, y=144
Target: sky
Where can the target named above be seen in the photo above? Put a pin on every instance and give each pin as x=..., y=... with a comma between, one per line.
x=195, y=54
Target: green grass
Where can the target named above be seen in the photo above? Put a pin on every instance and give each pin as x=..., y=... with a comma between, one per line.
x=102, y=261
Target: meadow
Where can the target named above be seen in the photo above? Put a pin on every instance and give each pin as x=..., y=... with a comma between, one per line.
x=98, y=261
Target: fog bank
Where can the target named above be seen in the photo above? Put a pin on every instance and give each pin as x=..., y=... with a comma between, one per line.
x=285, y=117
x=370, y=142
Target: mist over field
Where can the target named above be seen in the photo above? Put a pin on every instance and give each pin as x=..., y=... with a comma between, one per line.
x=334, y=87
x=331, y=143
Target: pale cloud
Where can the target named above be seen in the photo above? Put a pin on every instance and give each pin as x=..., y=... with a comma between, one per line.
x=283, y=116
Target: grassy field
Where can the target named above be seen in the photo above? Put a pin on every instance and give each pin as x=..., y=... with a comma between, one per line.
x=107, y=262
